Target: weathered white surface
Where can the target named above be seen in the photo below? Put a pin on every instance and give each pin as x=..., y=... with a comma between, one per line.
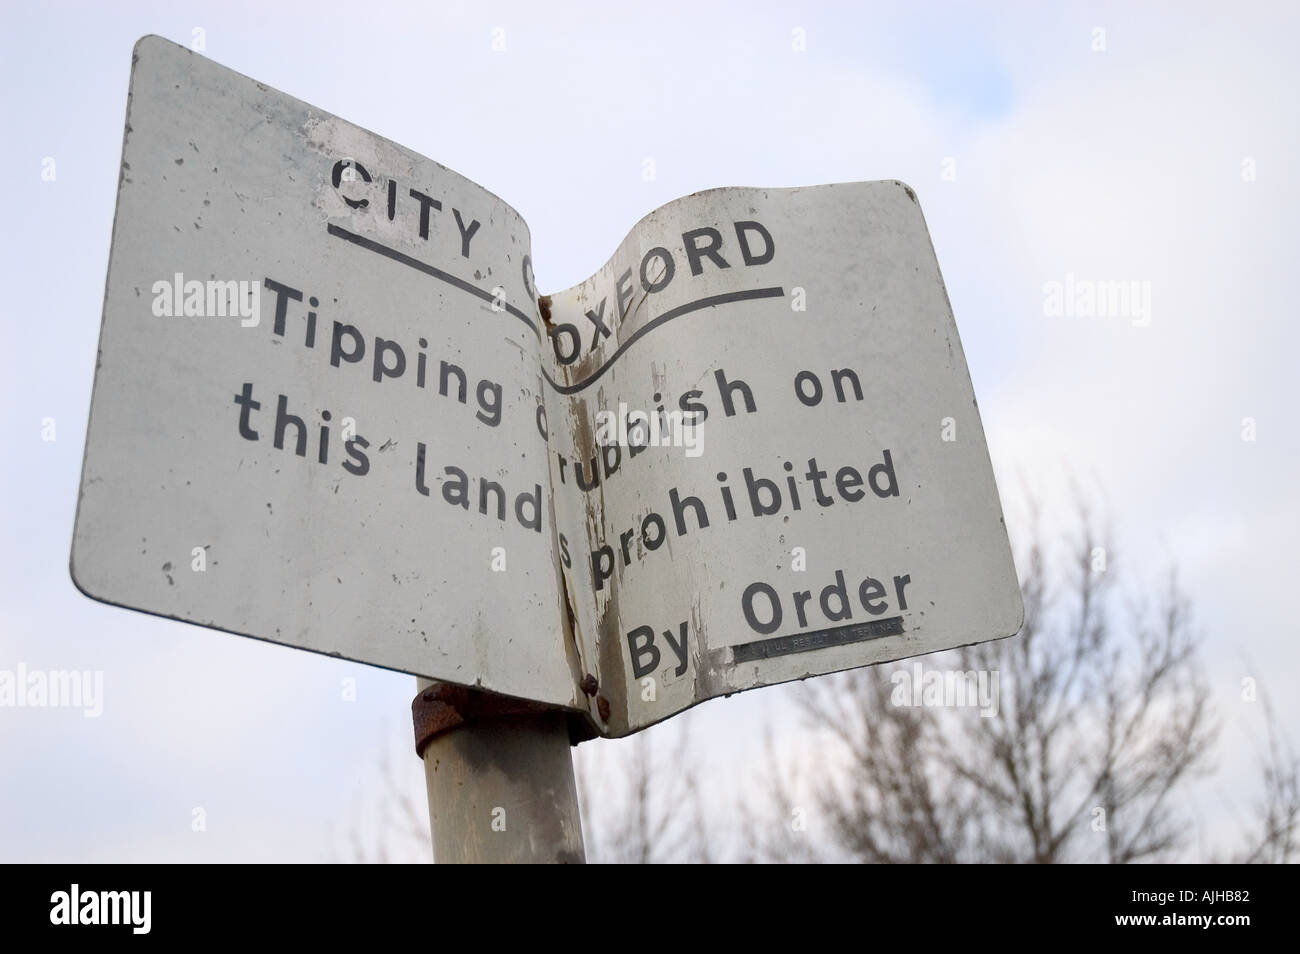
x=223, y=178
x=875, y=304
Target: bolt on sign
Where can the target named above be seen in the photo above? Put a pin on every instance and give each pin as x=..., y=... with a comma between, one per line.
x=331, y=411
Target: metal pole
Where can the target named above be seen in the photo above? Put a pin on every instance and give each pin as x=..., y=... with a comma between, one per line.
x=499, y=775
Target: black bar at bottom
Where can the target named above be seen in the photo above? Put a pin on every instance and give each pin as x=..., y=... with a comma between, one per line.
x=238, y=903
x=819, y=639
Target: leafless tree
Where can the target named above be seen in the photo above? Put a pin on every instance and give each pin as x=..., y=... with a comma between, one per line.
x=1102, y=721
x=1101, y=724
x=1273, y=836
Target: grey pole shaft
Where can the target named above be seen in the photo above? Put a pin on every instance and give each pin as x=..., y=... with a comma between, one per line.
x=501, y=790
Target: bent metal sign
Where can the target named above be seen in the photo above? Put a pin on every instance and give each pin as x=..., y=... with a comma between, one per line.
x=332, y=411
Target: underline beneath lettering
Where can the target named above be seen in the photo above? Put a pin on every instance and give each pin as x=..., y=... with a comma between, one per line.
x=820, y=639
x=423, y=267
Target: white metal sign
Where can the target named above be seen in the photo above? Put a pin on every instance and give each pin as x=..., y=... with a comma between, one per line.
x=330, y=412
x=834, y=505
x=307, y=330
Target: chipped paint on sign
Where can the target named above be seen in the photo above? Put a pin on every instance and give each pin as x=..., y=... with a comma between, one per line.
x=823, y=521
x=386, y=446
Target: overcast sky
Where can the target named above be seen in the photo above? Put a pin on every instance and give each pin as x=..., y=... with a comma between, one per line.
x=1166, y=157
